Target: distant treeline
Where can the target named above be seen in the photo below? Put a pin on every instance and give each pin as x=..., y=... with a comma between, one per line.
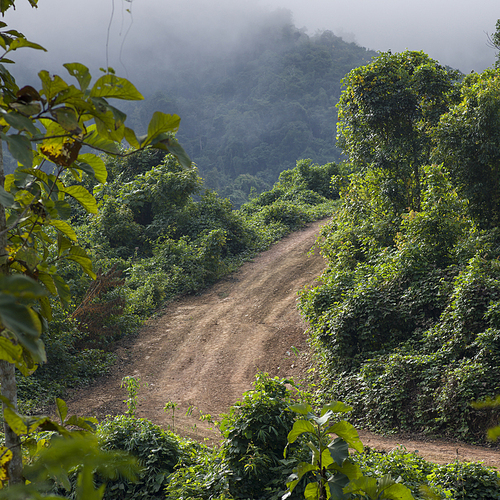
x=249, y=116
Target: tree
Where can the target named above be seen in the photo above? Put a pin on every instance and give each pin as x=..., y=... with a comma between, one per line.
x=467, y=140
x=386, y=111
x=494, y=42
x=45, y=131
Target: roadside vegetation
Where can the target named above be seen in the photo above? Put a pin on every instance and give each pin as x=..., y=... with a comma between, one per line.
x=159, y=234
x=249, y=463
x=405, y=323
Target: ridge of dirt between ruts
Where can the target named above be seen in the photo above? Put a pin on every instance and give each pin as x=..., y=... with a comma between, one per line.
x=203, y=352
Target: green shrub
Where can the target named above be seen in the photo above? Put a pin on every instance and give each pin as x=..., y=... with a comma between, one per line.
x=467, y=481
x=157, y=451
x=249, y=462
x=404, y=324
x=457, y=480
x=67, y=365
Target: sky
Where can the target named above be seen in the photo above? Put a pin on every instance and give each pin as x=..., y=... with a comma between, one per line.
x=104, y=32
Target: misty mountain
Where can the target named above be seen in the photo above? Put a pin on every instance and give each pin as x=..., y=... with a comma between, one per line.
x=252, y=112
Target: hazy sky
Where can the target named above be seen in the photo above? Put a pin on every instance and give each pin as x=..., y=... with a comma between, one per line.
x=452, y=31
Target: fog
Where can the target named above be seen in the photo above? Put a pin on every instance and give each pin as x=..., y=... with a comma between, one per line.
x=140, y=38
x=451, y=31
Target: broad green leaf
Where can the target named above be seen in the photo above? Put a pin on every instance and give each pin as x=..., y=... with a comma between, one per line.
x=20, y=149
x=39, y=174
x=22, y=42
x=299, y=427
x=326, y=458
x=51, y=86
x=131, y=138
x=96, y=164
x=108, y=128
x=17, y=317
x=45, y=308
x=88, y=424
x=28, y=256
x=352, y=471
x=161, y=123
x=348, y=433
x=312, y=491
x=395, y=491
x=304, y=468
x=63, y=291
x=21, y=286
x=46, y=424
x=301, y=408
x=118, y=88
x=6, y=199
x=339, y=451
x=336, y=483
x=63, y=209
x=27, y=109
x=12, y=353
x=81, y=73
x=364, y=484
x=382, y=488
x=118, y=115
x=61, y=409
x=82, y=196
x=336, y=407
x=47, y=281
x=67, y=119
x=15, y=421
x=73, y=98
x=79, y=255
x=63, y=227
x=19, y=122
x=63, y=244
x=94, y=140
x=173, y=147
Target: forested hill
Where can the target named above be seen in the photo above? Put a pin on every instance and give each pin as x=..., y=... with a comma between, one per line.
x=249, y=115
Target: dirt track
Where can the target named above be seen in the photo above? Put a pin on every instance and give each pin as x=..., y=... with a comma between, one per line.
x=205, y=350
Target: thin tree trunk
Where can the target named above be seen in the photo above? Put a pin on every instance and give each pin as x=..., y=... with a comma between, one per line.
x=12, y=441
x=7, y=370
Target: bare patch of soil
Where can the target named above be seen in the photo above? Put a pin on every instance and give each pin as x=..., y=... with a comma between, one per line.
x=205, y=350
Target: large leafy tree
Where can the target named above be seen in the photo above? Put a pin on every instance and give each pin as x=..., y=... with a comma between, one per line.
x=386, y=111
x=46, y=130
x=467, y=140
x=494, y=41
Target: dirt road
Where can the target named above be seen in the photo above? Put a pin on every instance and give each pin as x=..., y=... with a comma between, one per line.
x=204, y=350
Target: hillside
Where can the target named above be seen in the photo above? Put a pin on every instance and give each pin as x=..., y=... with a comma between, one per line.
x=204, y=351
x=252, y=113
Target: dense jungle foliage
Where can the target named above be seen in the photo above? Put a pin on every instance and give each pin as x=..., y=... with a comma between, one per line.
x=404, y=322
x=404, y=325
x=251, y=115
x=249, y=462
x=159, y=234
